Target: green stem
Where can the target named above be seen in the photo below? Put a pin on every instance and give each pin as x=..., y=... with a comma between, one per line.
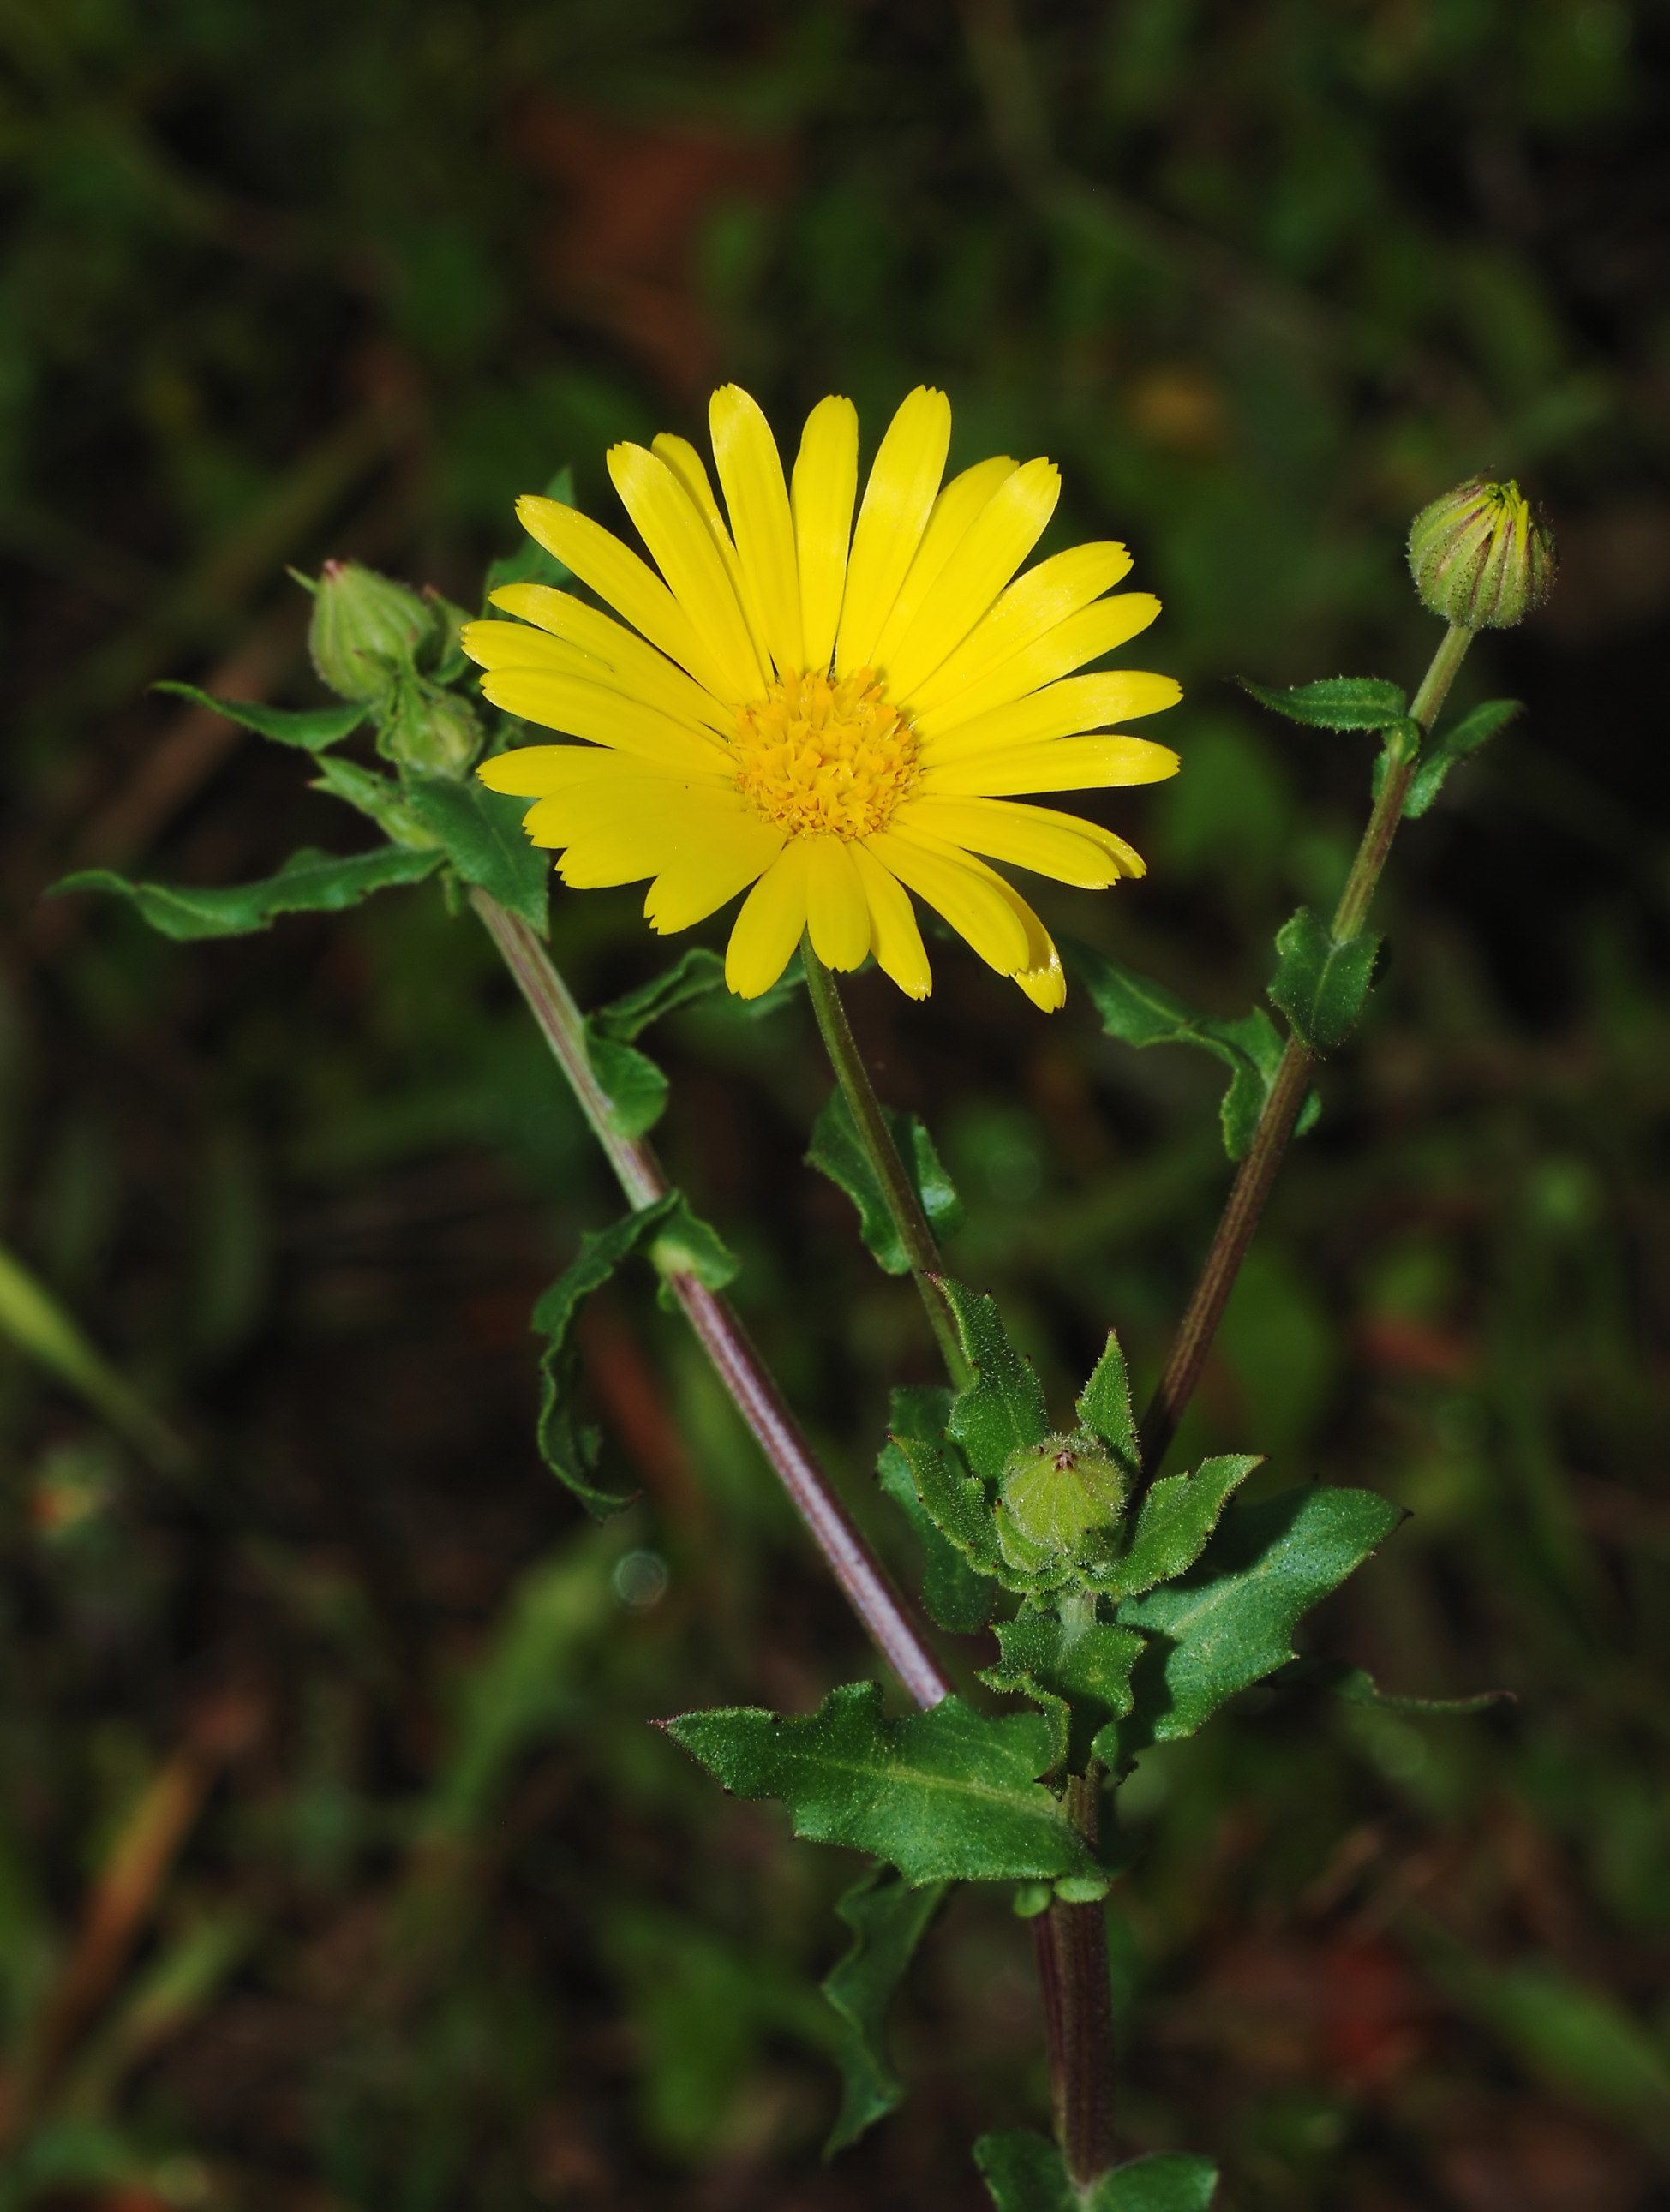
x=1257, y=1174
x=904, y=1208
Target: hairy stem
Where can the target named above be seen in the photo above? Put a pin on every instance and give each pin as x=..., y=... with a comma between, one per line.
x=864, y=1581
x=910, y=1223
x=1079, y=2009
x=1257, y=1173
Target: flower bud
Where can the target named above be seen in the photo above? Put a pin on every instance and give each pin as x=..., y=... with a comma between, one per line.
x=424, y=726
x=1057, y=1493
x=1480, y=556
x=366, y=629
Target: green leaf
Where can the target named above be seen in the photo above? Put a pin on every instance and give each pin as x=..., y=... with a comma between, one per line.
x=837, y=1152
x=957, y=1595
x=1321, y=983
x=1356, y=1686
x=1229, y=1620
x=694, y=977
x=480, y=832
x=1104, y=1407
x=308, y=882
x=1025, y=2173
x=634, y=1087
x=530, y=563
x=1337, y=702
x=313, y=729
x=1469, y=734
x=1078, y=1671
x=379, y=797
x=1141, y=1012
x=948, y=1794
x=889, y=1919
x=1175, y=1519
x=957, y=1503
x=679, y=1243
x=1002, y=1410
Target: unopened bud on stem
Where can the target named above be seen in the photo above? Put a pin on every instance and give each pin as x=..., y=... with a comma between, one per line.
x=366, y=629
x=1480, y=556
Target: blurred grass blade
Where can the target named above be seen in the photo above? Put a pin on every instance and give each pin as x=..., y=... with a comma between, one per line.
x=41, y=1327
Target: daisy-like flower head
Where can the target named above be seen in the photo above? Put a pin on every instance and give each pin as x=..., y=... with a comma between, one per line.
x=838, y=715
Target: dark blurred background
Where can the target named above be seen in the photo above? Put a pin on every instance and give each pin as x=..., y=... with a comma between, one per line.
x=339, y=1868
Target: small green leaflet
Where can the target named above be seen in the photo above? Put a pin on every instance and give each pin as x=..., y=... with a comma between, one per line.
x=1141, y=1012
x=837, y=1152
x=1472, y=731
x=889, y=1919
x=1003, y=1409
x=1104, y=1406
x=634, y=1086
x=1229, y=1620
x=1356, y=1685
x=1321, y=983
x=679, y=1243
x=1078, y=1671
x=480, y=832
x=1337, y=702
x=308, y=882
x=957, y=1502
x=313, y=729
x=957, y=1595
x=948, y=1794
x=530, y=563
x=1025, y=2173
x=1176, y=1518
x=379, y=797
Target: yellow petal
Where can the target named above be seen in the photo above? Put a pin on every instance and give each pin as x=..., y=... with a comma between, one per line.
x=825, y=484
x=631, y=587
x=1040, y=975
x=1034, y=603
x=953, y=513
x=540, y=771
x=682, y=545
x=895, y=938
x=730, y=855
x=746, y=455
x=1033, y=837
x=576, y=639
x=1059, y=710
x=894, y=513
x=688, y=466
x=958, y=888
x=837, y=911
x=1069, y=764
x=1092, y=631
x=622, y=834
x=995, y=545
x=606, y=717
x=770, y=924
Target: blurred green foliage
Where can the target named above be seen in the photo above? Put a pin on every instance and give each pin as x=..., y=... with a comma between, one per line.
x=440, y=1924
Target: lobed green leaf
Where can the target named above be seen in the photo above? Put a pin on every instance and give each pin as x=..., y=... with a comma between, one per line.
x=838, y=1151
x=1078, y=1671
x=1354, y=1686
x=948, y=1794
x=1321, y=983
x=1003, y=1410
x=1473, y=729
x=308, y=882
x=1175, y=1519
x=311, y=728
x=1104, y=1407
x=480, y=832
x=1026, y=2173
x=889, y=1919
x=957, y=1595
x=634, y=1086
x=1336, y=702
x=956, y=1503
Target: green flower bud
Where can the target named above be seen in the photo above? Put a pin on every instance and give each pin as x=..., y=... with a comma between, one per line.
x=422, y=725
x=366, y=629
x=1481, y=557
x=1058, y=1494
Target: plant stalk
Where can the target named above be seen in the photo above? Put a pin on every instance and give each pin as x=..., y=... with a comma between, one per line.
x=864, y=1581
x=1078, y=2010
x=909, y=1221
x=1257, y=1173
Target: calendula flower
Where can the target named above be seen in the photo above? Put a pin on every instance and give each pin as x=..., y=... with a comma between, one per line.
x=836, y=715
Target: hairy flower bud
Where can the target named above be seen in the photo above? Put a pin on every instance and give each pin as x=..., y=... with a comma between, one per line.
x=422, y=725
x=1056, y=1495
x=366, y=629
x=1480, y=556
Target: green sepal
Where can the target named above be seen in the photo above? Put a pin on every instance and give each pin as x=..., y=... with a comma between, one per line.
x=634, y=1086
x=309, y=882
x=946, y=1796
x=530, y=563
x=1473, y=729
x=1337, y=702
x=1174, y=1523
x=1228, y=1621
x=1026, y=2173
x=678, y=1243
x=1104, y=1406
x=1141, y=1012
x=311, y=728
x=1321, y=983
x=957, y=1595
x=1003, y=1410
x=379, y=797
x=1356, y=1685
x=1078, y=1671
x=480, y=832
x=889, y=1919
x=838, y=1151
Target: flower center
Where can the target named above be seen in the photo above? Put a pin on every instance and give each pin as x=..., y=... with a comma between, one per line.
x=825, y=758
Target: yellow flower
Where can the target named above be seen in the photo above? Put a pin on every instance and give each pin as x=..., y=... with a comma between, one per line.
x=836, y=715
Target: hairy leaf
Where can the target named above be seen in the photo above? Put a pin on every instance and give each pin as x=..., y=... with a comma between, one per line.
x=308, y=882
x=1337, y=702
x=1468, y=735
x=948, y=1794
x=889, y=1919
x=694, y=977
x=1078, y=1671
x=679, y=1242
x=634, y=1086
x=957, y=1595
x=957, y=1503
x=1354, y=1686
x=379, y=797
x=1104, y=1406
x=481, y=833
x=1173, y=1523
x=1141, y=1012
x=1003, y=1409
x=1321, y=983
x=313, y=728
x=1229, y=1620
x=838, y=1152
x=1026, y=2173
